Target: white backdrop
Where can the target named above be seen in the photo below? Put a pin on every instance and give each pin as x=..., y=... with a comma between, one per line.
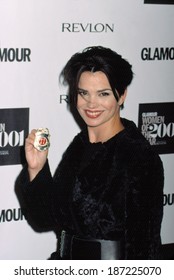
x=53, y=30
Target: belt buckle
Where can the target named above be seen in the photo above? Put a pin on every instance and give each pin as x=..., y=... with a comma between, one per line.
x=62, y=243
x=66, y=240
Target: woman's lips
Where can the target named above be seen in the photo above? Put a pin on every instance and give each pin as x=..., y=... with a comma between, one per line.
x=93, y=114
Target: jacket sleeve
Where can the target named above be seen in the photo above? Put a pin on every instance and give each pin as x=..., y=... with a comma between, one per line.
x=46, y=200
x=35, y=198
x=144, y=209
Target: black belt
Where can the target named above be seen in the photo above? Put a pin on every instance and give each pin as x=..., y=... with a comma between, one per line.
x=76, y=248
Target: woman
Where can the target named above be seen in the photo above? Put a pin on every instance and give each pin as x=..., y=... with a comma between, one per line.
x=105, y=199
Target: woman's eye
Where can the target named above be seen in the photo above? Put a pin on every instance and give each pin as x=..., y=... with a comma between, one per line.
x=104, y=93
x=82, y=93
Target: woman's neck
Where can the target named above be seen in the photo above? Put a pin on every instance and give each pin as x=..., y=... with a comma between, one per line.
x=104, y=132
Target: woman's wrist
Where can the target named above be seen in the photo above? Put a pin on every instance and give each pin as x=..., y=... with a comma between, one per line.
x=33, y=173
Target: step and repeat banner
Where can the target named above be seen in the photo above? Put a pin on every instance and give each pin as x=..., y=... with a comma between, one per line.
x=36, y=39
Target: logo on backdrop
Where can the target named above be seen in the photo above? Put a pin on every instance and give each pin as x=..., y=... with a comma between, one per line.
x=14, y=125
x=156, y=122
x=157, y=53
x=64, y=98
x=75, y=27
x=12, y=215
x=15, y=55
x=168, y=199
x=158, y=1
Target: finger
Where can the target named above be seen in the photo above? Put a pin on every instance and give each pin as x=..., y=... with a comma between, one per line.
x=29, y=141
x=33, y=131
x=31, y=136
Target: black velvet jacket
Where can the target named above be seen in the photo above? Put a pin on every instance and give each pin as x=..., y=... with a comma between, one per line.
x=105, y=190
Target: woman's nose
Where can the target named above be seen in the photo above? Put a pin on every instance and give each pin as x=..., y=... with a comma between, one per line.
x=92, y=102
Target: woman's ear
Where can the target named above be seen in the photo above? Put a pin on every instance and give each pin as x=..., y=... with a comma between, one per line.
x=122, y=98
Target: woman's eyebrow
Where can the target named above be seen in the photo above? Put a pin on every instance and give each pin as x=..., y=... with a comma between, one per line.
x=104, y=89
x=100, y=90
x=81, y=89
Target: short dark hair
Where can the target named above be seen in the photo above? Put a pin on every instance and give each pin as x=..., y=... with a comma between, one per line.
x=97, y=58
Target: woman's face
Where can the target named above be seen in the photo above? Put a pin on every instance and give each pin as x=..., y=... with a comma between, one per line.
x=96, y=102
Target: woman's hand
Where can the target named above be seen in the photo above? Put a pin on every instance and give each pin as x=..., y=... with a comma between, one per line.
x=35, y=159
